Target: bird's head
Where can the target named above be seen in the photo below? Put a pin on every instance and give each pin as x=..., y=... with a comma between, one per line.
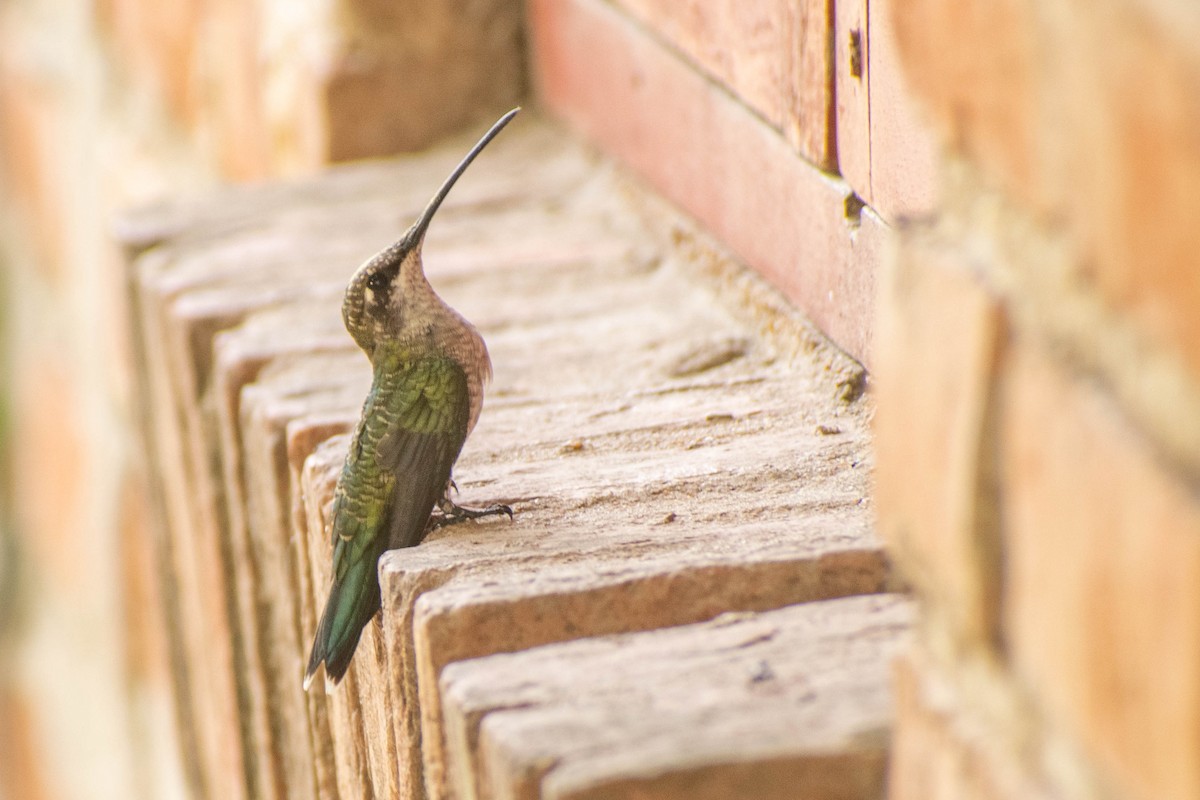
x=382, y=291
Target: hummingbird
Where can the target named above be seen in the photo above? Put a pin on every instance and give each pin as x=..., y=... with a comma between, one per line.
x=429, y=367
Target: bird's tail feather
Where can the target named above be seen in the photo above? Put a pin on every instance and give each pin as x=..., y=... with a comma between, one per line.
x=353, y=600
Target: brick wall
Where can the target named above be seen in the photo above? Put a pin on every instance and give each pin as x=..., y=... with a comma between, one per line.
x=989, y=204
x=1038, y=396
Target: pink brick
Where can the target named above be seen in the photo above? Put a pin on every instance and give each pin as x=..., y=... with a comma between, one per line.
x=773, y=55
x=712, y=156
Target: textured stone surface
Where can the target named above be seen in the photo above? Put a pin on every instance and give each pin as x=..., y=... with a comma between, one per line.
x=788, y=703
x=642, y=507
x=207, y=286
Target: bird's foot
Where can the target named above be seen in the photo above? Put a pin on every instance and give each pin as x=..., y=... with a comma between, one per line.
x=452, y=513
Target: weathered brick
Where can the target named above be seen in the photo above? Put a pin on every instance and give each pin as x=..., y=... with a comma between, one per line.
x=554, y=575
x=199, y=576
x=444, y=596
x=1045, y=295
x=941, y=336
x=545, y=601
x=286, y=389
x=279, y=88
x=281, y=366
x=708, y=153
x=559, y=572
x=773, y=55
x=787, y=703
x=275, y=366
x=233, y=367
x=302, y=393
x=303, y=438
x=1102, y=570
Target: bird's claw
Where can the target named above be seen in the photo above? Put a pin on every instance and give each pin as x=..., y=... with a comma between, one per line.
x=452, y=513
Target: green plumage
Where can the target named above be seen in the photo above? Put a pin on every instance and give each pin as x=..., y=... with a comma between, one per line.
x=429, y=369
x=413, y=425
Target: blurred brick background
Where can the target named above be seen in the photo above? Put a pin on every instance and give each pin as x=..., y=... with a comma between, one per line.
x=990, y=203
x=104, y=106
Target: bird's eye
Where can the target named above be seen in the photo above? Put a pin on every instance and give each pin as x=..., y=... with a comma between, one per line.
x=377, y=282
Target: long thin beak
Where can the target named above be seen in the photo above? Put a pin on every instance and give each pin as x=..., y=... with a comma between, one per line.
x=417, y=232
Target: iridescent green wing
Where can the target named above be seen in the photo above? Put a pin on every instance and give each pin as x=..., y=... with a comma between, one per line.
x=423, y=440
x=413, y=425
